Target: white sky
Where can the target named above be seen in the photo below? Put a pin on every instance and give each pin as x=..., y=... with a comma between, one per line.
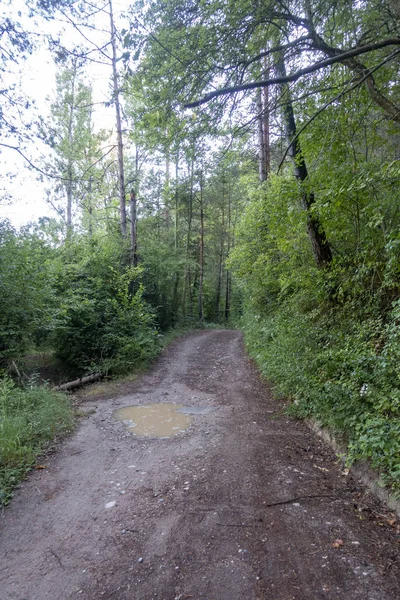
x=37, y=78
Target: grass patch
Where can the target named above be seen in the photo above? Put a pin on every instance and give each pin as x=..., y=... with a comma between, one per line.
x=29, y=420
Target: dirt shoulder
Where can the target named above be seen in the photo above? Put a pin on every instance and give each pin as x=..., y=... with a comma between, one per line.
x=245, y=504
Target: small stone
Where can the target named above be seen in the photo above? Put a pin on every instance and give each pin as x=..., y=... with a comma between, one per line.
x=140, y=560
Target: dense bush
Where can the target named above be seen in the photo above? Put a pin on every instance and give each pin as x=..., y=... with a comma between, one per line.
x=25, y=291
x=104, y=324
x=342, y=372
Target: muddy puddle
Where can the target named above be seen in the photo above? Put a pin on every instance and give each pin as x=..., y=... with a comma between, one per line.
x=154, y=420
x=195, y=410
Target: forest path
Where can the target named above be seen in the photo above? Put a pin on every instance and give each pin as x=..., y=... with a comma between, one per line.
x=245, y=504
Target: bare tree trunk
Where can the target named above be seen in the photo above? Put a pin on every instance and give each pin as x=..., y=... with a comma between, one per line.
x=228, y=275
x=116, y=93
x=267, y=152
x=176, y=279
x=263, y=129
x=220, y=257
x=133, y=211
x=201, y=257
x=188, y=279
x=261, y=148
x=70, y=158
x=176, y=200
x=320, y=246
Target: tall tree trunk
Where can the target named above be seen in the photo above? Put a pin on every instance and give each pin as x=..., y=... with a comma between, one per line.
x=90, y=207
x=120, y=145
x=220, y=257
x=261, y=147
x=70, y=161
x=176, y=278
x=263, y=128
x=133, y=211
x=176, y=200
x=201, y=253
x=267, y=150
x=188, y=277
x=320, y=246
x=228, y=275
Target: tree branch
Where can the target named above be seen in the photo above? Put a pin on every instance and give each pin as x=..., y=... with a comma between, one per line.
x=279, y=48
x=343, y=93
x=342, y=56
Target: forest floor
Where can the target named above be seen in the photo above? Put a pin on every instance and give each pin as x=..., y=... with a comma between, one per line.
x=246, y=503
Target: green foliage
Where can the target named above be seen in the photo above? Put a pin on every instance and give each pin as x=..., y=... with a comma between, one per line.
x=330, y=340
x=338, y=371
x=26, y=293
x=29, y=420
x=104, y=324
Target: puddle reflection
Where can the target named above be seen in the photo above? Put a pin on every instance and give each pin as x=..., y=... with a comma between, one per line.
x=154, y=420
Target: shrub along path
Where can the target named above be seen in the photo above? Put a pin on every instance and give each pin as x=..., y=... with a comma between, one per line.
x=245, y=504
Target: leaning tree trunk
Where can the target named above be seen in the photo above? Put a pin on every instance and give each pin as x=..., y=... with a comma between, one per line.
x=320, y=246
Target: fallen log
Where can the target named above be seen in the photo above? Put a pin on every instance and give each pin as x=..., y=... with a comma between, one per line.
x=77, y=383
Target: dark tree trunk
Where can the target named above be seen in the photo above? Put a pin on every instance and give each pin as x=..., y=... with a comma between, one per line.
x=133, y=211
x=267, y=153
x=320, y=246
x=220, y=259
x=201, y=253
x=261, y=145
x=263, y=129
x=188, y=276
x=176, y=278
x=228, y=275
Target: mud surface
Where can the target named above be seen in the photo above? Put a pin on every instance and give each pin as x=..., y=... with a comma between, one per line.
x=245, y=504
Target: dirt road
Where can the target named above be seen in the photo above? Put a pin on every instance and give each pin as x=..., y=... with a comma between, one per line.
x=244, y=504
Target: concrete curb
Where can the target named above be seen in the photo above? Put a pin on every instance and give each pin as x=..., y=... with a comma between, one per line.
x=361, y=470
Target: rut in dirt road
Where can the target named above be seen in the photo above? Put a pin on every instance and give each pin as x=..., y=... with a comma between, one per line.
x=243, y=504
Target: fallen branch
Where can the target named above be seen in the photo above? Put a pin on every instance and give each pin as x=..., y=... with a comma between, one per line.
x=77, y=383
x=299, y=498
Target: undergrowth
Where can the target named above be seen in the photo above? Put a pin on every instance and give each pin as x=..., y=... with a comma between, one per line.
x=30, y=419
x=341, y=370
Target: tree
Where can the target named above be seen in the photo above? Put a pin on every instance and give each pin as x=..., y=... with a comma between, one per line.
x=26, y=291
x=71, y=139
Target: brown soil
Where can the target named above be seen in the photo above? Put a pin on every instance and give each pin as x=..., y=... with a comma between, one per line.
x=245, y=504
